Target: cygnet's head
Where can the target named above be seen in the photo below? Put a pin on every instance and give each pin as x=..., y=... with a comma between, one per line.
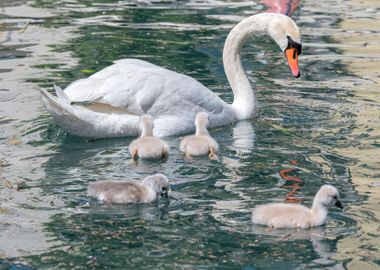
x=146, y=122
x=201, y=120
x=328, y=196
x=159, y=183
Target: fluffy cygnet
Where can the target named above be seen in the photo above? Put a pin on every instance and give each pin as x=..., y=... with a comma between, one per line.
x=282, y=215
x=201, y=143
x=148, y=190
x=148, y=146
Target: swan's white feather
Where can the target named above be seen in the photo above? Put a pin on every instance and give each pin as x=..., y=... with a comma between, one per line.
x=137, y=85
x=61, y=95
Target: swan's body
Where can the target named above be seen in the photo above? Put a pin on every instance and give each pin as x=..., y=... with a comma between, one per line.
x=201, y=143
x=148, y=190
x=129, y=88
x=281, y=215
x=148, y=146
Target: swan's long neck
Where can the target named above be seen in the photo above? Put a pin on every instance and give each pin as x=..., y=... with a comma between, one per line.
x=245, y=103
x=146, y=131
x=319, y=212
x=201, y=131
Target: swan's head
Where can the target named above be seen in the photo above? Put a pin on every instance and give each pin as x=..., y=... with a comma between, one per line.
x=146, y=123
x=159, y=183
x=201, y=120
x=328, y=196
x=286, y=34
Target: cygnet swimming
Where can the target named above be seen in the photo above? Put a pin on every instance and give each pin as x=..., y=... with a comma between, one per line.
x=201, y=143
x=282, y=215
x=148, y=146
x=148, y=190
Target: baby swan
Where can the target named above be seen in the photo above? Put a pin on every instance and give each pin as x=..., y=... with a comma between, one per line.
x=148, y=190
x=148, y=146
x=281, y=215
x=201, y=143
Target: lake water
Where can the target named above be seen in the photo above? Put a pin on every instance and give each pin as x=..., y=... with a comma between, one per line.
x=325, y=127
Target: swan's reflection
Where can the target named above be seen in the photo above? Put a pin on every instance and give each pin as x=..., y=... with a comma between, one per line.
x=126, y=212
x=322, y=244
x=241, y=145
x=243, y=137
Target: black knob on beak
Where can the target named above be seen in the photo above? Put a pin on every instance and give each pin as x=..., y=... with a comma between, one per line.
x=339, y=204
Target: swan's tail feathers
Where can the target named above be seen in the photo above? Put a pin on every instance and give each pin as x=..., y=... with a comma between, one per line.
x=63, y=113
x=54, y=105
x=83, y=122
x=61, y=95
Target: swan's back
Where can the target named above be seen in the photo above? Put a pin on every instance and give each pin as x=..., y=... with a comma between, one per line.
x=117, y=191
x=149, y=147
x=280, y=215
x=198, y=145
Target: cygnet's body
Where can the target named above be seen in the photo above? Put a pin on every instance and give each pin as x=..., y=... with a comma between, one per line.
x=201, y=143
x=148, y=190
x=148, y=146
x=281, y=215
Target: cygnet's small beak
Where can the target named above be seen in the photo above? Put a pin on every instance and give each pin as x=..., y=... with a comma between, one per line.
x=292, y=57
x=339, y=204
x=164, y=194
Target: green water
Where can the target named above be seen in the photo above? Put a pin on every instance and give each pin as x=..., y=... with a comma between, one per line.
x=315, y=124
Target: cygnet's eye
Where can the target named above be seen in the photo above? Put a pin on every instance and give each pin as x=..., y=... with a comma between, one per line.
x=164, y=189
x=335, y=197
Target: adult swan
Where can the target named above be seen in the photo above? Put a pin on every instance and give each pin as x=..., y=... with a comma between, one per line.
x=110, y=102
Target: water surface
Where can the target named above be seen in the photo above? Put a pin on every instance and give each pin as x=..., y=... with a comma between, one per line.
x=324, y=125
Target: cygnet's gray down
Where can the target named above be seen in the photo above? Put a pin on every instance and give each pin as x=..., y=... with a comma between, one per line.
x=282, y=215
x=201, y=143
x=148, y=146
x=148, y=190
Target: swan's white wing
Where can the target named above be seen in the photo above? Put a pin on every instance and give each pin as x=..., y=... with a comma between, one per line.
x=142, y=87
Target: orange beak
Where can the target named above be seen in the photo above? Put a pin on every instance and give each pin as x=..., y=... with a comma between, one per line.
x=292, y=57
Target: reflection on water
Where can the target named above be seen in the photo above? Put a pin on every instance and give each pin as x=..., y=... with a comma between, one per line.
x=363, y=58
x=24, y=43
x=323, y=124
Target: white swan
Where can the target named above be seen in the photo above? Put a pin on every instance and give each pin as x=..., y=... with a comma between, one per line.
x=129, y=88
x=148, y=190
x=201, y=143
x=148, y=146
x=285, y=215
